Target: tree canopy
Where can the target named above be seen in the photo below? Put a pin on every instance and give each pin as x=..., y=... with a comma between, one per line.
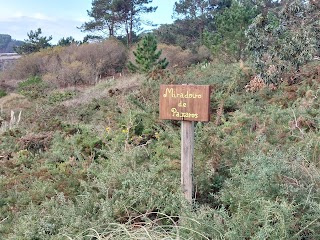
x=147, y=56
x=34, y=43
x=228, y=37
x=67, y=41
x=117, y=16
x=197, y=11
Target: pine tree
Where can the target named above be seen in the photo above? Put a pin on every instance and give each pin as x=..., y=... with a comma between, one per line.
x=228, y=39
x=34, y=44
x=113, y=15
x=147, y=56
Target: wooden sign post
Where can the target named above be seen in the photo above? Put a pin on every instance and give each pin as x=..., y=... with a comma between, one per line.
x=187, y=103
x=187, y=158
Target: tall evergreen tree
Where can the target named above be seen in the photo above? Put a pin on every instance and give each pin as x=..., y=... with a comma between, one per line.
x=181, y=33
x=197, y=11
x=231, y=22
x=117, y=14
x=147, y=56
x=104, y=17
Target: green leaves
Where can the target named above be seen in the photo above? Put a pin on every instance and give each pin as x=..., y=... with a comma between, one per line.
x=2, y=93
x=147, y=56
x=113, y=15
x=34, y=43
x=229, y=36
x=33, y=87
x=267, y=190
x=282, y=41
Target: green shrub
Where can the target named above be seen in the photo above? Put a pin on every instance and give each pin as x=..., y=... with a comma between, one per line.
x=61, y=217
x=2, y=93
x=33, y=88
x=107, y=167
x=29, y=82
x=143, y=192
x=82, y=145
x=281, y=43
x=57, y=97
x=266, y=191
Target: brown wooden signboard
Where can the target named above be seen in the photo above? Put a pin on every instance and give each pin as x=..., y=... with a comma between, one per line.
x=188, y=103
x=185, y=102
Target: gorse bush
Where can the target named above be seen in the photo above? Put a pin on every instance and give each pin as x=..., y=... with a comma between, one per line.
x=33, y=87
x=281, y=42
x=56, y=97
x=29, y=82
x=98, y=163
x=266, y=196
x=2, y=93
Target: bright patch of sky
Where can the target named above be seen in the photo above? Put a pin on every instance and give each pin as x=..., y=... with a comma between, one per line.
x=60, y=18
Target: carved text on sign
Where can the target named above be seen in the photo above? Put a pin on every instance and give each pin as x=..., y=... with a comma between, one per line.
x=171, y=93
x=185, y=102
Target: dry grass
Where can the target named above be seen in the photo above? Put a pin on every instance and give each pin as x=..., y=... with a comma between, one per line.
x=13, y=101
x=8, y=84
x=123, y=84
x=11, y=107
x=149, y=229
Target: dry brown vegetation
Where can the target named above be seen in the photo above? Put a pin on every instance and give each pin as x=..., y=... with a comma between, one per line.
x=177, y=57
x=103, y=90
x=180, y=58
x=87, y=64
x=13, y=101
x=73, y=64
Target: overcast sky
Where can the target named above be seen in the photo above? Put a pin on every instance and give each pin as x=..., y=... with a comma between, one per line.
x=60, y=18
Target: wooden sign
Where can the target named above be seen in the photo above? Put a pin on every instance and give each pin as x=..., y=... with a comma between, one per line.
x=188, y=103
x=185, y=102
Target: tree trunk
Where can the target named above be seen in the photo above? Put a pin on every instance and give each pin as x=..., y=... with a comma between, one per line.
x=131, y=26
x=127, y=33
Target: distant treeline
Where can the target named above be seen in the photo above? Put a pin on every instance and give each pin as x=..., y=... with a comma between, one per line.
x=7, y=44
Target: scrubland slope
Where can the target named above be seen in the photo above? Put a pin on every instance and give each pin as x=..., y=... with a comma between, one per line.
x=94, y=161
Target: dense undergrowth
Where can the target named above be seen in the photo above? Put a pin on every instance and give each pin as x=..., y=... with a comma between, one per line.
x=97, y=163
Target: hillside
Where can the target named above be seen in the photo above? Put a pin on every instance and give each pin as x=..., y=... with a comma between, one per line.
x=7, y=60
x=7, y=44
x=95, y=162
x=84, y=155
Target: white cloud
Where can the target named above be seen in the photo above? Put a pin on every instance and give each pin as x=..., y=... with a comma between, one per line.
x=19, y=26
x=41, y=16
x=58, y=18
x=15, y=15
